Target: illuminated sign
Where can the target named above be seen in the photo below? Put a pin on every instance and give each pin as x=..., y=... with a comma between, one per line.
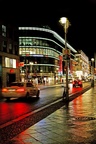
x=21, y=64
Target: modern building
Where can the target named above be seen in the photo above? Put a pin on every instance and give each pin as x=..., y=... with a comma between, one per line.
x=41, y=54
x=82, y=67
x=9, y=55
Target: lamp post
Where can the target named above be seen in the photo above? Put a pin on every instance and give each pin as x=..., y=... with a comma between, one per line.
x=92, y=72
x=65, y=23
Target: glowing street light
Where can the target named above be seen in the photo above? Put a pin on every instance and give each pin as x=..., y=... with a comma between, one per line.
x=92, y=72
x=65, y=23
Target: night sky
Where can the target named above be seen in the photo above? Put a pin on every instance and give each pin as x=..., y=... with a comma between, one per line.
x=81, y=14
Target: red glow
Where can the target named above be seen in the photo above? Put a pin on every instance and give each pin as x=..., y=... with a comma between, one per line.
x=27, y=54
x=80, y=82
x=10, y=111
x=21, y=64
x=4, y=90
x=20, y=90
x=11, y=70
x=60, y=63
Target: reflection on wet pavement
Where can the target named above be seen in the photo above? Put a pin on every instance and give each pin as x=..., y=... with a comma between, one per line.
x=74, y=123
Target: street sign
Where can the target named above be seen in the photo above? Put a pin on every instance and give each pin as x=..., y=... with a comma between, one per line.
x=21, y=64
x=66, y=51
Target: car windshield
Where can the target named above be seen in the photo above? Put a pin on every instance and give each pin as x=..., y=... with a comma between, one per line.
x=17, y=84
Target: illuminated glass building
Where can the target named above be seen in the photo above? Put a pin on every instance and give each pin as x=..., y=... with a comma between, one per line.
x=41, y=56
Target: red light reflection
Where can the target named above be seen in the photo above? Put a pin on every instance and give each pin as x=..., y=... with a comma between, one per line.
x=12, y=111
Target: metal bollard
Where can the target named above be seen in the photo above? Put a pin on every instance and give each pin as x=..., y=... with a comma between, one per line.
x=64, y=94
x=92, y=83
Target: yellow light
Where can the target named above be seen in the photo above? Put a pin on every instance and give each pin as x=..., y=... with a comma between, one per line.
x=63, y=20
x=92, y=59
x=31, y=63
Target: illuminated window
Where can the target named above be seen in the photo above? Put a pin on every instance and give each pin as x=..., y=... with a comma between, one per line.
x=37, y=50
x=10, y=48
x=3, y=30
x=10, y=62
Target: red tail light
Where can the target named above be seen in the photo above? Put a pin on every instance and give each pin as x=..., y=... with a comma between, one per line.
x=73, y=82
x=20, y=90
x=4, y=90
x=80, y=82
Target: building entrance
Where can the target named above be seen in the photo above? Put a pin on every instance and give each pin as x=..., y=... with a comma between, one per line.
x=10, y=78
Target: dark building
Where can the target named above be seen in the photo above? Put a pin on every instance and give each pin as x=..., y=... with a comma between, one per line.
x=9, y=55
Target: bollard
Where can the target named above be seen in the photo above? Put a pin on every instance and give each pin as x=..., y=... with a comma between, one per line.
x=92, y=83
x=64, y=94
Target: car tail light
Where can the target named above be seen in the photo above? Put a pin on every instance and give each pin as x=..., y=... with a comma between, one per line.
x=4, y=90
x=73, y=82
x=20, y=90
x=80, y=82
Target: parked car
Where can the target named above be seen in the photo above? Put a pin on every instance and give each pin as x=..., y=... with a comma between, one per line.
x=20, y=90
x=77, y=83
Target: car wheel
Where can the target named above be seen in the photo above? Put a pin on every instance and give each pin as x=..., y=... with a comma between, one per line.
x=8, y=99
x=38, y=93
x=27, y=95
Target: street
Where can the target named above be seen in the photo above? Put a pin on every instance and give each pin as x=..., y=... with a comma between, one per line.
x=19, y=107
x=16, y=108
x=74, y=123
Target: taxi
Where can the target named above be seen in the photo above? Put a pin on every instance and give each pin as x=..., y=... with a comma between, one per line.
x=20, y=90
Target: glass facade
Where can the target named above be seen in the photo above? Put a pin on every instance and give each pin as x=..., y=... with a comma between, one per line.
x=41, y=51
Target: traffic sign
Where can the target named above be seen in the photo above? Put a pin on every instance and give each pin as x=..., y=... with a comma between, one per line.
x=66, y=51
x=21, y=64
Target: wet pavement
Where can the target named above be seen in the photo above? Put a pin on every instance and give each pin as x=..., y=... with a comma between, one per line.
x=74, y=123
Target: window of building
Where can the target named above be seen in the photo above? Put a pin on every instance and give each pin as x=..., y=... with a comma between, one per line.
x=21, y=42
x=37, y=50
x=41, y=51
x=3, y=30
x=40, y=42
x=10, y=62
x=10, y=48
x=4, y=45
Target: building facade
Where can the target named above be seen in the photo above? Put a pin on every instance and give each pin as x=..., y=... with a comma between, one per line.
x=82, y=66
x=9, y=55
x=41, y=54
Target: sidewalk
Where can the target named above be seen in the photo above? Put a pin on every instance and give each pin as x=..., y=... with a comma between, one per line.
x=62, y=127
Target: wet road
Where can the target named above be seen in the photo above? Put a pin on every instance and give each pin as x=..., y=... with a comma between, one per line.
x=14, y=108
x=74, y=123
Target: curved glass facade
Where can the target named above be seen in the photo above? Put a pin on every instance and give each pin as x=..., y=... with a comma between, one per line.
x=41, y=51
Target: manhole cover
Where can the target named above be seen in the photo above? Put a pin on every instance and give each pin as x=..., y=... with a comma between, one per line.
x=85, y=118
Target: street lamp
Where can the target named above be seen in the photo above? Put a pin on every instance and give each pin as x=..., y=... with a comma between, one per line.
x=65, y=23
x=92, y=72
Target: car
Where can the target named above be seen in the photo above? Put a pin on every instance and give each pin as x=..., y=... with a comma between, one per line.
x=20, y=90
x=77, y=83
